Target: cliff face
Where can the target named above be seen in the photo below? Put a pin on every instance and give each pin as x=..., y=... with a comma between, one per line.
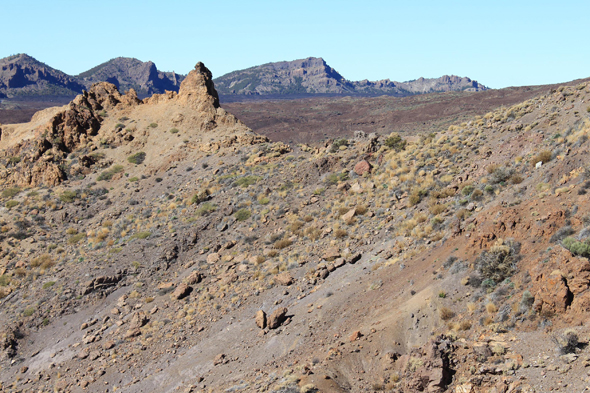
x=314, y=75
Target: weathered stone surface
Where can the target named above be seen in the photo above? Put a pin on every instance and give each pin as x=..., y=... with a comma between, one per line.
x=100, y=283
x=194, y=278
x=277, y=318
x=348, y=215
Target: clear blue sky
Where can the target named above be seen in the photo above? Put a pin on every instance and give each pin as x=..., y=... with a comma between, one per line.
x=498, y=43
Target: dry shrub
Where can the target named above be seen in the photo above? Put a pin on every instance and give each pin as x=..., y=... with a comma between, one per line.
x=516, y=178
x=312, y=232
x=295, y=226
x=340, y=233
x=465, y=325
x=492, y=168
x=437, y=209
x=491, y=308
x=471, y=307
x=544, y=157
x=308, y=218
x=44, y=261
x=284, y=243
x=444, y=193
x=445, y=313
x=360, y=210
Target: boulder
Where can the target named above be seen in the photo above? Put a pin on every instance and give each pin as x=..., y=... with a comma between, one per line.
x=181, y=291
x=284, y=278
x=277, y=318
x=260, y=319
x=362, y=167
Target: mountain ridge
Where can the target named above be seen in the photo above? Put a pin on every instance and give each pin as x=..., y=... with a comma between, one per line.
x=23, y=75
x=313, y=75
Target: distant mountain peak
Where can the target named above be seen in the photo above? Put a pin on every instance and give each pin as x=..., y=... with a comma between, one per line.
x=313, y=75
x=129, y=72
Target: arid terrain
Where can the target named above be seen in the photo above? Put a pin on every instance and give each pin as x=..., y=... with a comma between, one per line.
x=434, y=243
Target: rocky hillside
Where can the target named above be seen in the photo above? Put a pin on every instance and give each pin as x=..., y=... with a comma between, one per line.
x=159, y=245
x=22, y=75
x=313, y=76
x=129, y=73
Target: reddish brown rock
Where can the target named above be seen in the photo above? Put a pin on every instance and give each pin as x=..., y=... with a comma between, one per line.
x=331, y=254
x=362, y=167
x=356, y=336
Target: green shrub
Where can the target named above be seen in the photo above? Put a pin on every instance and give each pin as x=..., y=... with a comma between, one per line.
x=141, y=235
x=76, y=238
x=4, y=280
x=334, y=178
x=14, y=160
x=10, y=192
x=133, y=179
x=153, y=125
x=48, y=284
x=109, y=173
x=174, y=131
x=468, y=189
x=29, y=311
x=137, y=158
x=581, y=248
x=396, y=142
x=68, y=196
x=247, y=181
x=12, y=203
x=243, y=214
x=263, y=200
x=205, y=209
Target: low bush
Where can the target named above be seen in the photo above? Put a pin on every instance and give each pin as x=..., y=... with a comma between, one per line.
x=200, y=197
x=247, y=181
x=243, y=214
x=567, y=342
x=137, y=158
x=499, y=262
x=580, y=248
x=395, y=142
x=109, y=173
x=10, y=204
x=544, y=157
x=11, y=192
x=205, y=209
x=68, y=196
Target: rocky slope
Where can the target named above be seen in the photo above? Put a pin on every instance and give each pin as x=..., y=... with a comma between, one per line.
x=179, y=251
x=313, y=76
x=129, y=73
x=23, y=75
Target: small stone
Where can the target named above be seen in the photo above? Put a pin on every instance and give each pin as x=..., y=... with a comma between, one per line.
x=220, y=359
